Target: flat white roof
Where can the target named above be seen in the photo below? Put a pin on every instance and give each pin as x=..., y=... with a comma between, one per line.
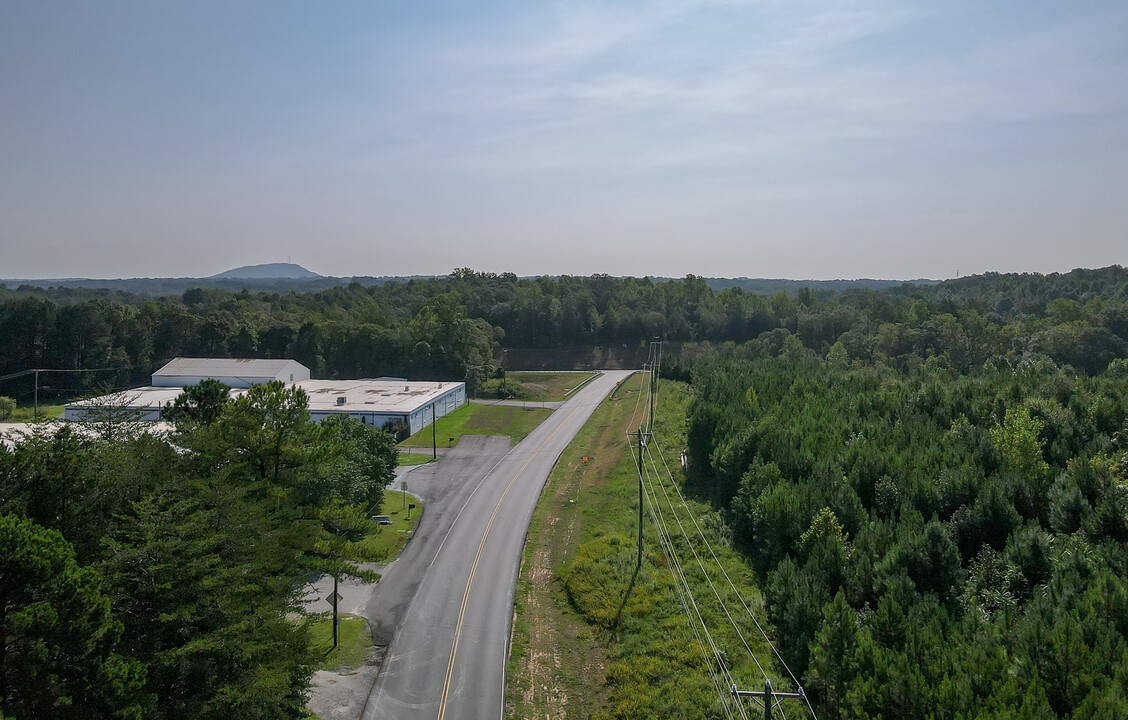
x=145, y=397
x=223, y=367
x=373, y=396
x=392, y=397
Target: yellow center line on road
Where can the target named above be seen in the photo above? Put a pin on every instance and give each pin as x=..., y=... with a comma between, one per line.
x=474, y=568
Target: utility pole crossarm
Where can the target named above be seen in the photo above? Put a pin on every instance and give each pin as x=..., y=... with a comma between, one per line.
x=760, y=693
x=770, y=696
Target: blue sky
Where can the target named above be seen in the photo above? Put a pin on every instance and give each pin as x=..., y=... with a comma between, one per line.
x=779, y=138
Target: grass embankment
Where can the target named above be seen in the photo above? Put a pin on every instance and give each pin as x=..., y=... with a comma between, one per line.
x=587, y=642
x=474, y=419
x=354, y=646
x=409, y=459
x=547, y=386
x=26, y=413
x=388, y=540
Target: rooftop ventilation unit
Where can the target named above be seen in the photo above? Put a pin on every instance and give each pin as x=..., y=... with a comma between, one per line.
x=340, y=399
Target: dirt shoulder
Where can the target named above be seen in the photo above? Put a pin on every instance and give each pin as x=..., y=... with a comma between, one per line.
x=557, y=666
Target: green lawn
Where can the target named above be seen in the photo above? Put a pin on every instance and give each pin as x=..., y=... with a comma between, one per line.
x=474, y=419
x=409, y=459
x=26, y=413
x=549, y=386
x=355, y=643
x=388, y=540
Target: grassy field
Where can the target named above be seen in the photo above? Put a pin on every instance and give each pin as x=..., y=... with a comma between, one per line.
x=409, y=459
x=589, y=642
x=388, y=540
x=549, y=386
x=474, y=419
x=26, y=413
x=355, y=643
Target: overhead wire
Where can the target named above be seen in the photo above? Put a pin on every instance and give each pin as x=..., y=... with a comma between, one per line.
x=720, y=601
x=638, y=399
x=712, y=664
x=731, y=584
x=688, y=601
x=685, y=593
x=650, y=453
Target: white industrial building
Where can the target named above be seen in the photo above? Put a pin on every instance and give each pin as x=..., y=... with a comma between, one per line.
x=377, y=402
x=231, y=372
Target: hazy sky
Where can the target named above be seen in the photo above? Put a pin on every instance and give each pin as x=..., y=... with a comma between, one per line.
x=778, y=138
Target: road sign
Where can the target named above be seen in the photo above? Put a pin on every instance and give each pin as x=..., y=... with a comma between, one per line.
x=334, y=598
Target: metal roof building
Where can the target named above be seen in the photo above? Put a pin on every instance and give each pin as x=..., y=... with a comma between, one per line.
x=373, y=402
x=236, y=373
x=379, y=402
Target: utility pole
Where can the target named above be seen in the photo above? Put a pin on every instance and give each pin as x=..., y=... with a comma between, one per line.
x=769, y=696
x=653, y=375
x=655, y=366
x=36, y=415
x=657, y=374
x=639, y=438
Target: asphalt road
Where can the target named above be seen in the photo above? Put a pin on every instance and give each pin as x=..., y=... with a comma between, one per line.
x=447, y=602
x=446, y=487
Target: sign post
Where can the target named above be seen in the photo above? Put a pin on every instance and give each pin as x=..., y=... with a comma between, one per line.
x=333, y=600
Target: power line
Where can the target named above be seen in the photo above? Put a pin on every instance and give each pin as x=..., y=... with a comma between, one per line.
x=23, y=373
x=638, y=400
x=720, y=601
x=747, y=609
x=36, y=372
x=685, y=593
x=708, y=579
x=688, y=601
x=768, y=694
x=711, y=663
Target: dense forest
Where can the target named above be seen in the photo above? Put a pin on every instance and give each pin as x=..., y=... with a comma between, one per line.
x=467, y=324
x=141, y=578
x=937, y=538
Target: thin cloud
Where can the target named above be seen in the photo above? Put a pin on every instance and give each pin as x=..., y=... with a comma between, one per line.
x=580, y=70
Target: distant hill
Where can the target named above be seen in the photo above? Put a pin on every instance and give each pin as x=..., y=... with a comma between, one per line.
x=267, y=271
x=157, y=287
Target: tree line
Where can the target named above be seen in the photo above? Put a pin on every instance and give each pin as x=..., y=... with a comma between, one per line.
x=456, y=327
